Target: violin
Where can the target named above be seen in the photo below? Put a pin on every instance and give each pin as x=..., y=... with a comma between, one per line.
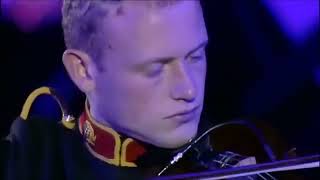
x=261, y=170
x=255, y=159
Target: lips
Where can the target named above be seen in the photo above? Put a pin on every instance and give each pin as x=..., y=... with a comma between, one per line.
x=184, y=116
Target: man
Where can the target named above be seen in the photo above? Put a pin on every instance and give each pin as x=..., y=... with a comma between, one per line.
x=142, y=66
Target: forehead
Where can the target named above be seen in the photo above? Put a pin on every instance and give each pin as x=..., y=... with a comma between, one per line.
x=171, y=30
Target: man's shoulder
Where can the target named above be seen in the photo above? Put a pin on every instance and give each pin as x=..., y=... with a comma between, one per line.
x=35, y=143
x=39, y=128
x=34, y=129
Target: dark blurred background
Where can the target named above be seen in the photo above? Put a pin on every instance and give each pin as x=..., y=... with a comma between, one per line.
x=263, y=63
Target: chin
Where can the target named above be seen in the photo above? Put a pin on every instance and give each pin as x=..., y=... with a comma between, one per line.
x=177, y=137
x=177, y=143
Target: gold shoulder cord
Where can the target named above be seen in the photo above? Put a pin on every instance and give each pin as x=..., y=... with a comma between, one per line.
x=67, y=120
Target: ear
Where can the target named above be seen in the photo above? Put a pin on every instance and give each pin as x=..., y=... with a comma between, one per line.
x=78, y=65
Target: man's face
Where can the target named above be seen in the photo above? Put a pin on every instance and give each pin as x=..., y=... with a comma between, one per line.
x=152, y=86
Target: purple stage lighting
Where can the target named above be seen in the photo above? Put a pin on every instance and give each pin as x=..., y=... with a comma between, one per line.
x=297, y=18
x=29, y=15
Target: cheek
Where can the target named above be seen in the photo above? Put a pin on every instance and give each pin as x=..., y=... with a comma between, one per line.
x=137, y=96
x=199, y=76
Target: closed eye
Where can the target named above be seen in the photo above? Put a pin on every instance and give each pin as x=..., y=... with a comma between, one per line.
x=196, y=58
x=154, y=69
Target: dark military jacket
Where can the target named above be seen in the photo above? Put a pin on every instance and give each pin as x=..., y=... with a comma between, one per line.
x=39, y=148
x=74, y=149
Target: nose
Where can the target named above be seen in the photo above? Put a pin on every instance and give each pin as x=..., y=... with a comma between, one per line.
x=183, y=87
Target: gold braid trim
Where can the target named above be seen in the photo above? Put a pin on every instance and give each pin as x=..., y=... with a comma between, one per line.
x=67, y=120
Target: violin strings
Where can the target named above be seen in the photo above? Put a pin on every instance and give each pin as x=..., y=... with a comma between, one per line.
x=249, y=177
x=273, y=178
x=229, y=165
x=262, y=177
x=233, y=155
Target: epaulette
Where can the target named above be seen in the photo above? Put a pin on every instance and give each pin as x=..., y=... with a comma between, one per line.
x=67, y=120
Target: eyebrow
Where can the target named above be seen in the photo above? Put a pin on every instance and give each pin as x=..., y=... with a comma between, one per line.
x=168, y=59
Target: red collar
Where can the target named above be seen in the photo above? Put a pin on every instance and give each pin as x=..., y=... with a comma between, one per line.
x=107, y=145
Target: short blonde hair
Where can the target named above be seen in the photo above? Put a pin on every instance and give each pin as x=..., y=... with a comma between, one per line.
x=80, y=23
